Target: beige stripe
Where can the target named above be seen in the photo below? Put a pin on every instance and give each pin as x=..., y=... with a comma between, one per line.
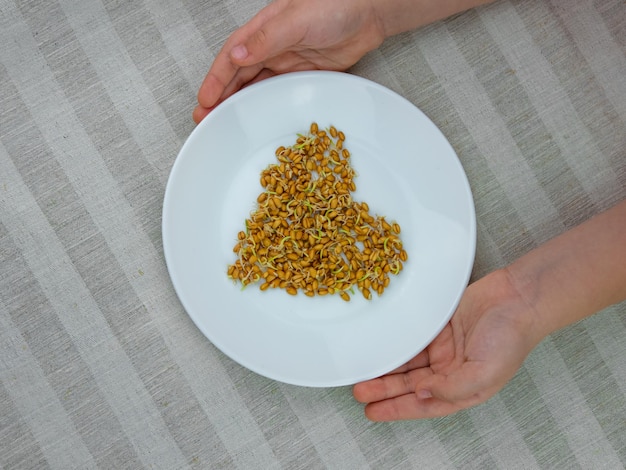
x=37, y=402
x=82, y=320
x=244, y=11
x=607, y=332
x=605, y=58
x=488, y=256
x=183, y=40
x=422, y=445
x=374, y=66
x=552, y=104
x=130, y=95
x=133, y=249
x=489, y=132
x=324, y=427
x=568, y=407
x=501, y=435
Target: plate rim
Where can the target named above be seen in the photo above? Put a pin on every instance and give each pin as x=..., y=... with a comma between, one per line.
x=472, y=224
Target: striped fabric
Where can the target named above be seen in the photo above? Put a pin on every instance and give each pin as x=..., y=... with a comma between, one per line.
x=100, y=367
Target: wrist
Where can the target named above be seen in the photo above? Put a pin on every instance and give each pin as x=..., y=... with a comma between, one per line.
x=525, y=287
x=576, y=274
x=398, y=16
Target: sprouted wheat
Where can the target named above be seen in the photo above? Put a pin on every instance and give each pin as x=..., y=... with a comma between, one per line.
x=308, y=234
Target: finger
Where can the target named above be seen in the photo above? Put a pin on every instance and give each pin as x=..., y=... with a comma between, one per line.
x=276, y=34
x=389, y=386
x=262, y=75
x=243, y=77
x=217, y=79
x=223, y=70
x=409, y=406
x=419, y=361
x=199, y=113
x=466, y=387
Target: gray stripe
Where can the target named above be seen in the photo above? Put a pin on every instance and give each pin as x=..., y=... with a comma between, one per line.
x=19, y=447
x=380, y=447
x=501, y=435
x=453, y=432
x=145, y=48
x=592, y=105
x=614, y=17
x=101, y=192
x=607, y=330
x=542, y=434
x=183, y=40
x=603, y=56
x=95, y=102
x=106, y=129
x=214, y=24
x=84, y=323
x=551, y=104
x=275, y=417
x=317, y=412
x=595, y=382
x=493, y=139
x=93, y=260
x=113, y=75
x=531, y=137
x=422, y=445
x=561, y=393
x=494, y=209
x=36, y=404
x=63, y=367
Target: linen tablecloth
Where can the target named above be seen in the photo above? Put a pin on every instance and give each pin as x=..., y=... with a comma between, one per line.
x=101, y=367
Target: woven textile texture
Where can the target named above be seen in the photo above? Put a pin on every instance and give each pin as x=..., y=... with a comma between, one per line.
x=101, y=367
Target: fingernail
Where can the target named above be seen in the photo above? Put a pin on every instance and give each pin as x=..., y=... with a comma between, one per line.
x=423, y=394
x=239, y=52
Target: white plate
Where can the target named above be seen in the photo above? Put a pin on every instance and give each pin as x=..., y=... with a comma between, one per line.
x=406, y=170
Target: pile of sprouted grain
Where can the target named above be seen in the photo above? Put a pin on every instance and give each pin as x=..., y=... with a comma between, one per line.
x=308, y=234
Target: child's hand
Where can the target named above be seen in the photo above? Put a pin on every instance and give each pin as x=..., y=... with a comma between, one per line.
x=287, y=36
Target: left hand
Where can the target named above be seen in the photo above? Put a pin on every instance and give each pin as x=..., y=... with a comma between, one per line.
x=288, y=36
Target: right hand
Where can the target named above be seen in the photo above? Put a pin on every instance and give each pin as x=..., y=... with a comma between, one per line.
x=288, y=36
x=474, y=356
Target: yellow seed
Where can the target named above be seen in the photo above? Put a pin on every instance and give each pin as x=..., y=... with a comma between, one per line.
x=366, y=293
x=303, y=234
x=345, y=296
x=291, y=291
